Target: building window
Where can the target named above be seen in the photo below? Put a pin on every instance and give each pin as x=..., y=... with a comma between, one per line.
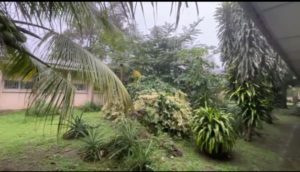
x=26, y=85
x=80, y=87
x=11, y=84
x=14, y=84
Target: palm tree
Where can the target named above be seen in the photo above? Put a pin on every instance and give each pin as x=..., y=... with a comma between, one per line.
x=250, y=62
x=18, y=21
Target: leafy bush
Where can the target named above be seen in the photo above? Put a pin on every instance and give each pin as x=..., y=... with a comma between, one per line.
x=149, y=84
x=93, y=149
x=160, y=107
x=164, y=112
x=212, y=131
x=41, y=109
x=255, y=102
x=113, y=111
x=90, y=107
x=77, y=128
x=235, y=110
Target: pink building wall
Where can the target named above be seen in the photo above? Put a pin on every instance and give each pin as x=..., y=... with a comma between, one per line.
x=17, y=99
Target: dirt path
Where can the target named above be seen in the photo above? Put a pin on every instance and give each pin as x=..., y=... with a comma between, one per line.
x=291, y=150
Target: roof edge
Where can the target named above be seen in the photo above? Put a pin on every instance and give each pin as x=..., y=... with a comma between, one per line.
x=259, y=22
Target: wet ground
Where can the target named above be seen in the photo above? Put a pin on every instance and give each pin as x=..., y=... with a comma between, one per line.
x=290, y=151
x=287, y=145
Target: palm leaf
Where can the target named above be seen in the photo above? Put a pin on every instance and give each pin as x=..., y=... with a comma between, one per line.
x=67, y=54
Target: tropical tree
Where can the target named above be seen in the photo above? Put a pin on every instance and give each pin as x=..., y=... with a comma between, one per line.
x=18, y=21
x=156, y=54
x=197, y=79
x=254, y=69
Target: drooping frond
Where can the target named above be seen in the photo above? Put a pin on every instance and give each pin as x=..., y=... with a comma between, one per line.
x=49, y=85
x=60, y=51
x=57, y=90
x=244, y=49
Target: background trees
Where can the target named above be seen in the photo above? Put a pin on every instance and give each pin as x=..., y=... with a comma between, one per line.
x=175, y=60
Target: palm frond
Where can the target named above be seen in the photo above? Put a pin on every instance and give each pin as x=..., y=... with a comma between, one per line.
x=64, y=52
x=57, y=90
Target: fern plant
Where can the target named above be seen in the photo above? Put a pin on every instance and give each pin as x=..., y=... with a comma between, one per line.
x=212, y=131
x=77, y=128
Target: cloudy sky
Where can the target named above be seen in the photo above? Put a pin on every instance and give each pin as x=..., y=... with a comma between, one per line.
x=208, y=25
x=188, y=15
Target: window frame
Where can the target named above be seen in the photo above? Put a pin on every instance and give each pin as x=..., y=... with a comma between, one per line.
x=85, y=90
x=20, y=84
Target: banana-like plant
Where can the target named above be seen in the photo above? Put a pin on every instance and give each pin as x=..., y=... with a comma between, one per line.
x=213, y=131
x=255, y=102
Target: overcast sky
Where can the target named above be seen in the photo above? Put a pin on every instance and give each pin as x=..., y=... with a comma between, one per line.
x=188, y=15
x=208, y=25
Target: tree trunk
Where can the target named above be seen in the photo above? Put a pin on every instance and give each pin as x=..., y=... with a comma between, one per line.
x=249, y=134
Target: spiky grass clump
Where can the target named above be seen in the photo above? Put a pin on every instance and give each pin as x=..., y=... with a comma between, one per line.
x=212, y=131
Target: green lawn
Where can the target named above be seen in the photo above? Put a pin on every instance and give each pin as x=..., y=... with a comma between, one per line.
x=27, y=144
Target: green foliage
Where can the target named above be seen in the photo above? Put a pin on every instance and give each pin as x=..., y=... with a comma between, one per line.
x=212, y=131
x=126, y=146
x=149, y=84
x=140, y=158
x=157, y=52
x=90, y=107
x=165, y=56
x=93, y=148
x=256, y=72
x=41, y=109
x=77, y=128
x=161, y=107
x=235, y=110
x=127, y=138
x=113, y=111
x=196, y=79
x=254, y=101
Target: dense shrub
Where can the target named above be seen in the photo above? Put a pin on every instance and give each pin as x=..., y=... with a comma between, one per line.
x=160, y=111
x=41, y=109
x=149, y=84
x=212, y=131
x=113, y=110
x=160, y=107
x=90, y=107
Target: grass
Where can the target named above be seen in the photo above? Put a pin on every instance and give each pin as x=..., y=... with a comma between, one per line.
x=27, y=144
